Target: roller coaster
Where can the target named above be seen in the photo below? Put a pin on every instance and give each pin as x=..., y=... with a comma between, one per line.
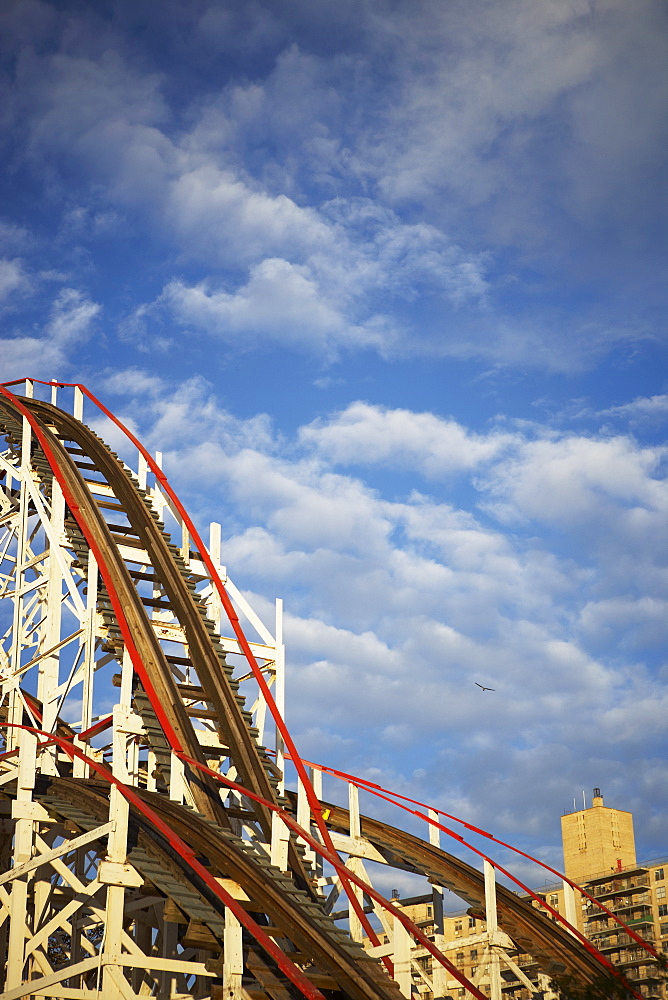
x=150, y=846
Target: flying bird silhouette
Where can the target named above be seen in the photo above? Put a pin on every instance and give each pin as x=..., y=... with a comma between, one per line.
x=482, y=687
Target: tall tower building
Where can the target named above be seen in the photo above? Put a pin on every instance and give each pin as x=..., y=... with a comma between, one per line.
x=597, y=840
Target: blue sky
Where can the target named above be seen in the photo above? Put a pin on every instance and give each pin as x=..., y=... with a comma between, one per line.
x=385, y=282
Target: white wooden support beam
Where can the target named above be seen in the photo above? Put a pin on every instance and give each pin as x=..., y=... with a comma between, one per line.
x=65, y=848
x=233, y=959
x=354, y=811
x=402, y=958
x=48, y=674
x=81, y=768
x=358, y=847
x=279, y=692
x=304, y=816
x=119, y=813
x=177, y=779
x=570, y=911
x=316, y=783
x=437, y=902
x=18, y=637
x=492, y=928
x=280, y=837
x=354, y=922
x=185, y=543
x=244, y=606
x=151, y=768
x=215, y=546
x=78, y=403
x=39, y=985
x=24, y=815
x=155, y=494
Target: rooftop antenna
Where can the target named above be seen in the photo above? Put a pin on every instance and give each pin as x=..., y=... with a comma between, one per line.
x=584, y=804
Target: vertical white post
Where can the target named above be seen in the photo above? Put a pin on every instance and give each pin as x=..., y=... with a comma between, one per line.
x=215, y=605
x=157, y=499
x=279, y=691
x=81, y=769
x=142, y=471
x=569, y=905
x=185, y=543
x=18, y=637
x=438, y=974
x=233, y=959
x=78, y=403
x=49, y=667
x=304, y=815
x=402, y=957
x=316, y=782
x=118, y=838
x=280, y=837
x=492, y=932
x=354, y=811
x=354, y=923
x=151, y=767
x=177, y=779
x=23, y=842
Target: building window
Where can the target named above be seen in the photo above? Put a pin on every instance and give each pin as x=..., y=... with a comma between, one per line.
x=664, y=928
x=430, y=911
x=474, y=953
x=554, y=902
x=459, y=956
x=471, y=921
x=474, y=969
x=660, y=892
x=658, y=875
x=663, y=909
x=458, y=928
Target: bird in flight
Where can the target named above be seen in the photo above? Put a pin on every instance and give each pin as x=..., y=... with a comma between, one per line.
x=482, y=687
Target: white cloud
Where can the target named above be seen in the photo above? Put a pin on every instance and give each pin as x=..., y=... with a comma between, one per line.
x=319, y=276
x=569, y=481
x=365, y=434
x=71, y=317
x=224, y=216
x=189, y=408
x=336, y=279
x=481, y=93
x=644, y=621
x=281, y=301
x=643, y=408
x=478, y=103
x=43, y=356
x=14, y=237
x=13, y=278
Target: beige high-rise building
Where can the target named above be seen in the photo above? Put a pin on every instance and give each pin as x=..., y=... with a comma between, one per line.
x=597, y=840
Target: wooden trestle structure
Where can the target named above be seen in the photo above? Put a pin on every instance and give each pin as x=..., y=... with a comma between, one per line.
x=148, y=846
